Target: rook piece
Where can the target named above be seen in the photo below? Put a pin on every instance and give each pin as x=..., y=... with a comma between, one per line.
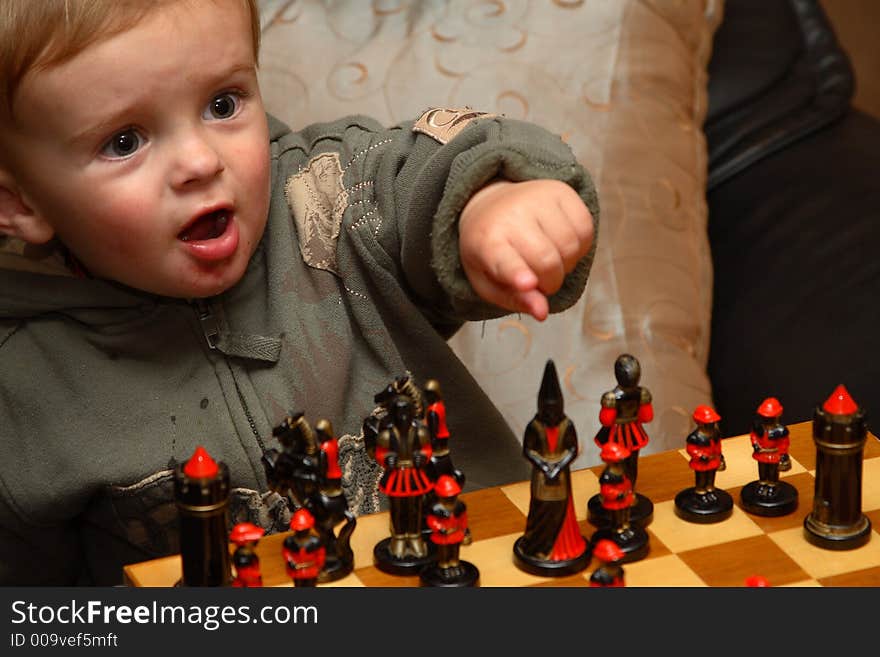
x=624, y=410
x=769, y=496
x=304, y=551
x=703, y=502
x=201, y=490
x=609, y=573
x=247, y=564
x=447, y=518
x=616, y=493
x=839, y=432
x=552, y=544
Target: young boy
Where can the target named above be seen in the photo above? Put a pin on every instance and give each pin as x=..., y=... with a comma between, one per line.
x=177, y=269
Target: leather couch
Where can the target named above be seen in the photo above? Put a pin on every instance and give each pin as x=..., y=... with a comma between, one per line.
x=793, y=216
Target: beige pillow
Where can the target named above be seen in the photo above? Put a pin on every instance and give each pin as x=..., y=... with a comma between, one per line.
x=624, y=83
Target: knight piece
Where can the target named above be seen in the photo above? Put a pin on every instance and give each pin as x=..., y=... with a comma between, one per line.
x=552, y=544
x=201, y=489
x=704, y=502
x=307, y=471
x=245, y=535
x=624, y=411
x=616, y=493
x=403, y=449
x=768, y=495
x=447, y=518
x=839, y=433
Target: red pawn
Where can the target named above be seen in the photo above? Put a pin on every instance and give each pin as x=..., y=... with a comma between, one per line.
x=247, y=564
x=304, y=551
x=757, y=581
x=610, y=572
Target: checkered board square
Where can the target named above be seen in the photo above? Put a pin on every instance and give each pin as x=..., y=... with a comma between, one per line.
x=682, y=554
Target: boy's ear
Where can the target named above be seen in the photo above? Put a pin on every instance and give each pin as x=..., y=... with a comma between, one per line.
x=17, y=218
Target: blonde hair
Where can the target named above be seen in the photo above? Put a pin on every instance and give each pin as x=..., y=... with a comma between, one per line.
x=39, y=34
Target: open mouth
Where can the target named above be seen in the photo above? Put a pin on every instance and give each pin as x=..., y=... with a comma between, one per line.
x=206, y=227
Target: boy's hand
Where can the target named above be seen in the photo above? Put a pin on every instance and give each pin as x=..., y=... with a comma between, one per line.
x=519, y=240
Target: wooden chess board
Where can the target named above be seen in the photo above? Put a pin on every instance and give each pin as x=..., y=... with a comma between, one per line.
x=682, y=554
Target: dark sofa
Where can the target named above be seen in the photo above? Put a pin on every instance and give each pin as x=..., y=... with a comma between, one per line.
x=793, y=216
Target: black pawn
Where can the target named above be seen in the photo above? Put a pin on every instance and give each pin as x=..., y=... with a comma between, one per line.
x=616, y=495
x=704, y=502
x=768, y=495
x=447, y=519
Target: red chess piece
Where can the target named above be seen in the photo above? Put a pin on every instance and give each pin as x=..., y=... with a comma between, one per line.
x=757, y=581
x=609, y=573
x=304, y=551
x=247, y=564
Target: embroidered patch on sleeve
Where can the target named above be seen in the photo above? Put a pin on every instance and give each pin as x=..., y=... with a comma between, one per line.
x=443, y=124
x=317, y=200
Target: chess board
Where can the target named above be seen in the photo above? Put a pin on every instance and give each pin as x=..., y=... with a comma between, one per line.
x=682, y=554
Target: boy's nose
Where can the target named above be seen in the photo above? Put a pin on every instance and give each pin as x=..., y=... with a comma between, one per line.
x=197, y=161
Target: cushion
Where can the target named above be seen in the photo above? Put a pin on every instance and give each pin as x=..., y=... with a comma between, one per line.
x=624, y=83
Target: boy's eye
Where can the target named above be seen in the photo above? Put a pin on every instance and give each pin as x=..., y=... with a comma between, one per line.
x=222, y=106
x=122, y=144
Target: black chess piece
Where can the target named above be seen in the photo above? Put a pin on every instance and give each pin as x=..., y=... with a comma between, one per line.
x=769, y=495
x=616, y=493
x=329, y=506
x=303, y=551
x=624, y=411
x=245, y=535
x=704, y=502
x=609, y=573
x=403, y=448
x=836, y=521
x=201, y=489
x=552, y=544
x=447, y=518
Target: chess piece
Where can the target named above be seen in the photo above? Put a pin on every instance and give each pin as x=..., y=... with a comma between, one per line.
x=307, y=471
x=757, y=581
x=201, y=490
x=247, y=564
x=303, y=551
x=441, y=459
x=330, y=508
x=609, y=573
x=552, y=544
x=435, y=418
x=839, y=433
x=624, y=411
x=616, y=493
x=704, y=502
x=768, y=495
x=447, y=518
x=403, y=449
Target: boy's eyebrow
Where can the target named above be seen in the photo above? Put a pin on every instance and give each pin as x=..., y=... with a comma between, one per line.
x=118, y=118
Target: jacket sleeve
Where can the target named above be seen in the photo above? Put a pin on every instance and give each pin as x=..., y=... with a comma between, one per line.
x=487, y=148
x=405, y=188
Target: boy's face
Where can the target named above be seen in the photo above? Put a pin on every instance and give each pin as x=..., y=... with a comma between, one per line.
x=147, y=154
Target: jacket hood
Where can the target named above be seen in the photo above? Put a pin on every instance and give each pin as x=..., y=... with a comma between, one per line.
x=35, y=281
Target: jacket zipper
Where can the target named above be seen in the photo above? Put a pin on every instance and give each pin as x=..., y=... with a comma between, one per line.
x=211, y=330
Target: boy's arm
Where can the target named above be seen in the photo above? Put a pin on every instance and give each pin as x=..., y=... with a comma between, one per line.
x=490, y=149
